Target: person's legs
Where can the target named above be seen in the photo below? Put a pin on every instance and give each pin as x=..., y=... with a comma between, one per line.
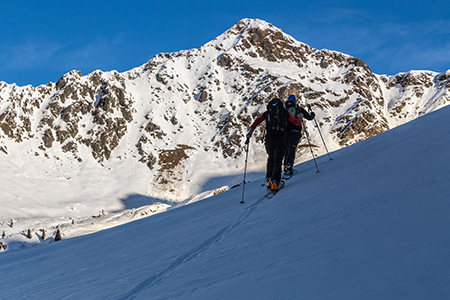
x=292, y=142
x=270, y=149
x=279, y=150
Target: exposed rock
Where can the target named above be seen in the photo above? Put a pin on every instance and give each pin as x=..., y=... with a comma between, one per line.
x=169, y=159
x=48, y=138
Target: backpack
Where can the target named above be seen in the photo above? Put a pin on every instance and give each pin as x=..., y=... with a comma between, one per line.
x=276, y=119
x=292, y=107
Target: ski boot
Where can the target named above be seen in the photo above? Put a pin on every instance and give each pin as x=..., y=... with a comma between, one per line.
x=275, y=186
x=288, y=172
x=268, y=183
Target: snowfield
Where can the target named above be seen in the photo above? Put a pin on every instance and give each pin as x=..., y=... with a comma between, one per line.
x=372, y=224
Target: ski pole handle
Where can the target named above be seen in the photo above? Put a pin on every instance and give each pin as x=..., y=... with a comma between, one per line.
x=311, y=112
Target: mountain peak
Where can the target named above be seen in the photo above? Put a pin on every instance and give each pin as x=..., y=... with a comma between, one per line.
x=258, y=38
x=255, y=23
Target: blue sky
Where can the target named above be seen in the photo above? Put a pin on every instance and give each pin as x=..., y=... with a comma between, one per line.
x=41, y=42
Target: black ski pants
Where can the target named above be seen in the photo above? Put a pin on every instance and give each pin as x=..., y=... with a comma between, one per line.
x=293, y=137
x=276, y=148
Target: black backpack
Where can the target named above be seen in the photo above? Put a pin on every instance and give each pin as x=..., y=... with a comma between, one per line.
x=276, y=118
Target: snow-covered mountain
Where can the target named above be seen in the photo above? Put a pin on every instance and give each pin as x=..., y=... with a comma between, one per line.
x=172, y=130
x=373, y=224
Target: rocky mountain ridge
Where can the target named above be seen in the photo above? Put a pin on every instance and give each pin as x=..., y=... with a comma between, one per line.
x=182, y=114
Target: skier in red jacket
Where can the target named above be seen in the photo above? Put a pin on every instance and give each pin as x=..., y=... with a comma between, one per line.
x=277, y=118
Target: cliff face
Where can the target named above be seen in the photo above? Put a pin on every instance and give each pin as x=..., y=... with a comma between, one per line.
x=182, y=114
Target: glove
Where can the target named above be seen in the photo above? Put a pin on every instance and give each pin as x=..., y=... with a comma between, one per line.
x=249, y=135
x=312, y=114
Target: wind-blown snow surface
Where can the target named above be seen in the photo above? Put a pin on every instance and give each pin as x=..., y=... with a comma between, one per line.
x=373, y=224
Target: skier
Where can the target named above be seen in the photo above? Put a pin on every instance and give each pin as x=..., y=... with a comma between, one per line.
x=277, y=118
x=293, y=133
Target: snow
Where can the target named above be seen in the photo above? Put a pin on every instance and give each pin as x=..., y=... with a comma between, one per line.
x=372, y=224
x=46, y=189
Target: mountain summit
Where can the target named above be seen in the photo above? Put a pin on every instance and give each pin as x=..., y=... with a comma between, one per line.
x=175, y=126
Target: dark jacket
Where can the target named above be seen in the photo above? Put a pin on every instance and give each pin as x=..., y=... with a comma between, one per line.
x=302, y=113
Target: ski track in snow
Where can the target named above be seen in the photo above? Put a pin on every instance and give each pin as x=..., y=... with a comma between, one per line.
x=192, y=254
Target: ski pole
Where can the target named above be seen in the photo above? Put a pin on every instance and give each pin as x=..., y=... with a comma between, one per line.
x=310, y=148
x=318, y=128
x=245, y=171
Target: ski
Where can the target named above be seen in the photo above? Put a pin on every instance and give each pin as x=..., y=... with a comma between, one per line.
x=289, y=176
x=271, y=193
x=238, y=185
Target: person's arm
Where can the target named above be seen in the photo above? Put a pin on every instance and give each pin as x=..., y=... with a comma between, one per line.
x=307, y=115
x=253, y=126
x=257, y=122
x=294, y=120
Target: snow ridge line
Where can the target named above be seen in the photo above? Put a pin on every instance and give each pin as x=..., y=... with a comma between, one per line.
x=237, y=40
x=190, y=255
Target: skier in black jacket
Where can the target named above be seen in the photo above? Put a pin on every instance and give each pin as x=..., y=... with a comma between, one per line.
x=277, y=118
x=294, y=132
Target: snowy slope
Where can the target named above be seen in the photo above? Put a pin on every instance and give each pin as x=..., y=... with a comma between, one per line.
x=373, y=224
